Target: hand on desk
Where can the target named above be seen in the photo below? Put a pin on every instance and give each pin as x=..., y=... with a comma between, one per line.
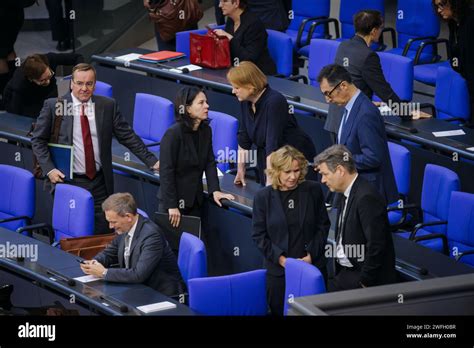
x=220, y=32
x=175, y=216
x=420, y=114
x=55, y=176
x=218, y=195
x=93, y=267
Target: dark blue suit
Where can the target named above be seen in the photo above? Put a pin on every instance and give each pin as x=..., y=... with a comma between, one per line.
x=364, y=135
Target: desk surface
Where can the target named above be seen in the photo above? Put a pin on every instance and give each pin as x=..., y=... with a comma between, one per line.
x=65, y=264
x=304, y=97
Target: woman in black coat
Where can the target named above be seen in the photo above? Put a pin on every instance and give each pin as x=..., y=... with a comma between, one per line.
x=460, y=17
x=185, y=153
x=289, y=220
x=247, y=35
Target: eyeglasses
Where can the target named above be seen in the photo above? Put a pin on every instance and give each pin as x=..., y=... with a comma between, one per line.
x=81, y=84
x=328, y=94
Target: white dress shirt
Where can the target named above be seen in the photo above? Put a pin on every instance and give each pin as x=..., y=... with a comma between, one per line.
x=79, y=166
x=340, y=255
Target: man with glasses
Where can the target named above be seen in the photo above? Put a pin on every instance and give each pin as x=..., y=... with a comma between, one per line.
x=34, y=82
x=88, y=125
x=361, y=129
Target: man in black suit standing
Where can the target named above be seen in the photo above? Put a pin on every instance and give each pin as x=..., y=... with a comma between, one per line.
x=364, y=249
x=88, y=124
x=140, y=252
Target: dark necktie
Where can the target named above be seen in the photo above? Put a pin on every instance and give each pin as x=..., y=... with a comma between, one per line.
x=341, y=216
x=88, y=147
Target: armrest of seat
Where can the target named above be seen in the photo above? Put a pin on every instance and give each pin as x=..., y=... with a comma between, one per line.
x=405, y=208
x=325, y=21
x=156, y=143
x=434, y=43
x=49, y=229
x=465, y=253
x=297, y=78
x=412, y=40
x=435, y=236
x=301, y=29
x=15, y=218
x=425, y=224
x=393, y=37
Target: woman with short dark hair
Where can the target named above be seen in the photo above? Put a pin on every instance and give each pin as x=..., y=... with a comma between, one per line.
x=185, y=154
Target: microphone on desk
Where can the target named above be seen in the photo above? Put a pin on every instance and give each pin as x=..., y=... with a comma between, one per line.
x=68, y=281
x=169, y=67
x=123, y=308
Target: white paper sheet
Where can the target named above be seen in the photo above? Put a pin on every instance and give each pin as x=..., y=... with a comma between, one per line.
x=470, y=149
x=449, y=133
x=87, y=279
x=129, y=57
x=155, y=307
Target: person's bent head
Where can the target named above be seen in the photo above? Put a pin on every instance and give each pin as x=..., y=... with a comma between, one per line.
x=451, y=9
x=247, y=80
x=191, y=107
x=336, y=84
x=368, y=24
x=83, y=81
x=288, y=168
x=36, y=69
x=231, y=7
x=120, y=211
x=336, y=166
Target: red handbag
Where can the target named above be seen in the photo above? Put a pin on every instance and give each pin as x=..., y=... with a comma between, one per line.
x=210, y=50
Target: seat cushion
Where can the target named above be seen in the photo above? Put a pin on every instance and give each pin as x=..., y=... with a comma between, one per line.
x=427, y=73
x=434, y=244
x=425, y=58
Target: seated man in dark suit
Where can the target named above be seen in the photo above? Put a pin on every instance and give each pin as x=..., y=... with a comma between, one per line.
x=364, y=253
x=140, y=252
x=362, y=130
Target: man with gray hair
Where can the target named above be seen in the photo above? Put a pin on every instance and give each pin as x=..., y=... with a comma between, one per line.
x=362, y=225
x=140, y=252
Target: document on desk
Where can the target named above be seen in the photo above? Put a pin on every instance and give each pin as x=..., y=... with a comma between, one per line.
x=451, y=133
x=87, y=279
x=129, y=57
x=155, y=307
x=470, y=149
x=190, y=67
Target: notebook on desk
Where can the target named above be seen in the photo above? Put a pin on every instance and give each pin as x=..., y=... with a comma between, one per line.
x=161, y=56
x=189, y=224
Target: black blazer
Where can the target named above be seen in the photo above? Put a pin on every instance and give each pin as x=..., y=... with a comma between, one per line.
x=152, y=262
x=366, y=72
x=366, y=223
x=270, y=230
x=250, y=42
x=181, y=166
x=109, y=122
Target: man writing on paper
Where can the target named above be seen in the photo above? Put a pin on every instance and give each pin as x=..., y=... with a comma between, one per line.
x=88, y=124
x=140, y=251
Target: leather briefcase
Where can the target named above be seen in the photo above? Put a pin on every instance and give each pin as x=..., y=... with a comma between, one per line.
x=210, y=50
x=87, y=247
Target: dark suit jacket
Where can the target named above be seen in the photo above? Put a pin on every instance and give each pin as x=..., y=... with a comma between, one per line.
x=366, y=223
x=270, y=229
x=250, y=42
x=181, y=166
x=151, y=262
x=109, y=122
x=366, y=72
x=364, y=135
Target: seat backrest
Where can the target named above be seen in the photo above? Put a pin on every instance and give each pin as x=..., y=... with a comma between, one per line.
x=182, y=39
x=416, y=18
x=73, y=212
x=348, y=8
x=401, y=163
x=152, y=116
x=451, y=95
x=224, y=138
x=321, y=53
x=398, y=72
x=302, y=9
x=236, y=294
x=438, y=184
x=103, y=89
x=461, y=225
x=17, y=192
x=301, y=279
x=192, y=257
x=281, y=51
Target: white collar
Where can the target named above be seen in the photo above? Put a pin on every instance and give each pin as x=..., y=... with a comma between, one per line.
x=347, y=192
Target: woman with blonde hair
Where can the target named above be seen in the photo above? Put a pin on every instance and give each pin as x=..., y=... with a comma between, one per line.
x=289, y=220
x=267, y=121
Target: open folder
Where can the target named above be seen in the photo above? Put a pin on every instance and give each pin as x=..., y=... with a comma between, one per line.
x=62, y=156
x=189, y=224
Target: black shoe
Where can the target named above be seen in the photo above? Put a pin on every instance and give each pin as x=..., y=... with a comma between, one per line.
x=5, y=294
x=63, y=45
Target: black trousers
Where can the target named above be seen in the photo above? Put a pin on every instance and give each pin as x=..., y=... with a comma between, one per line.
x=276, y=293
x=345, y=279
x=59, y=25
x=98, y=190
